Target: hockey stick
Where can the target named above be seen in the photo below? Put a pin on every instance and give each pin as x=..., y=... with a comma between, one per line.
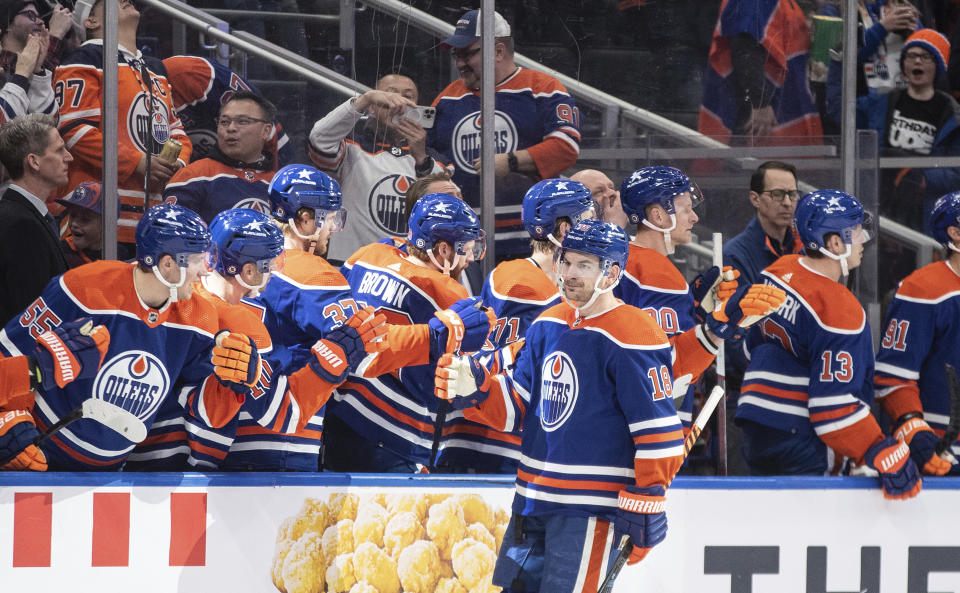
x=953, y=428
x=721, y=373
x=625, y=547
x=110, y=415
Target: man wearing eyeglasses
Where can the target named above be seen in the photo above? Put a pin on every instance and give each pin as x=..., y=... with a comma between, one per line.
x=537, y=127
x=773, y=192
x=238, y=171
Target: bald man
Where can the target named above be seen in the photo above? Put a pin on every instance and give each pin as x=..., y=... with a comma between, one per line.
x=605, y=194
x=371, y=146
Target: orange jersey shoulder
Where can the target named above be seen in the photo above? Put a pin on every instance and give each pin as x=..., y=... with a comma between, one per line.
x=625, y=324
x=828, y=300
x=236, y=318
x=651, y=268
x=312, y=270
x=522, y=279
x=931, y=282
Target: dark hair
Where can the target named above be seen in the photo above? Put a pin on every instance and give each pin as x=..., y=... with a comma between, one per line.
x=268, y=108
x=758, y=177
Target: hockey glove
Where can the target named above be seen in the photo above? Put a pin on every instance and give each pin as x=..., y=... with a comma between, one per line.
x=73, y=350
x=371, y=328
x=898, y=473
x=640, y=515
x=236, y=362
x=713, y=287
x=17, y=433
x=462, y=381
x=748, y=305
x=916, y=433
x=463, y=327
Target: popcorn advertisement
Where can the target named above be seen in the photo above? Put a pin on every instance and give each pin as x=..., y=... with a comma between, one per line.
x=313, y=533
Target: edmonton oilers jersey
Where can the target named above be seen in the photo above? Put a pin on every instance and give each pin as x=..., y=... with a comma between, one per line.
x=152, y=353
x=208, y=187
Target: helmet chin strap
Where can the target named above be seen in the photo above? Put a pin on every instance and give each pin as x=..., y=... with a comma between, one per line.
x=553, y=240
x=668, y=243
x=253, y=291
x=842, y=258
x=597, y=291
x=953, y=247
x=314, y=238
x=447, y=266
x=173, y=287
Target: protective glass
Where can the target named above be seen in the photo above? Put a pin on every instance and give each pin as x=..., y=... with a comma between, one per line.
x=334, y=220
x=477, y=248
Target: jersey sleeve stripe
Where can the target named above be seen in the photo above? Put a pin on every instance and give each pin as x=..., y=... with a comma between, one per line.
x=784, y=408
x=885, y=367
x=844, y=422
x=78, y=135
x=776, y=377
x=800, y=396
x=676, y=451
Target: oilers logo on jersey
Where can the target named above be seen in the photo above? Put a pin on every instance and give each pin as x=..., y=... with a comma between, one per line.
x=558, y=394
x=386, y=204
x=144, y=128
x=254, y=203
x=466, y=139
x=135, y=380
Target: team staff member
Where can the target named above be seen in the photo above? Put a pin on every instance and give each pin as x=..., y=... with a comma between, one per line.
x=538, y=127
x=920, y=338
x=807, y=386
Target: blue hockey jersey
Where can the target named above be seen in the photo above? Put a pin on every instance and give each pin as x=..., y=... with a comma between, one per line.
x=209, y=186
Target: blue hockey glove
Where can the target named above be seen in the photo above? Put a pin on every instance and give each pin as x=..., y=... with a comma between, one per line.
x=462, y=381
x=712, y=287
x=345, y=346
x=916, y=433
x=899, y=476
x=73, y=350
x=746, y=306
x=463, y=327
x=640, y=515
x=17, y=433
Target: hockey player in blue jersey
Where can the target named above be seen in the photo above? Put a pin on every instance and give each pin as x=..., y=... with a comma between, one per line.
x=591, y=366
x=808, y=383
x=280, y=397
x=387, y=421
x=162, y=339
x=921, y=337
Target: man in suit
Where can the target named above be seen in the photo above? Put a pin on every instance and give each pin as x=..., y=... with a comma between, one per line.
x=34, y=153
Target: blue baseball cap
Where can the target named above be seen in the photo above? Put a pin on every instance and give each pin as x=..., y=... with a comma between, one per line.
x=86, y=195
x=468, y=29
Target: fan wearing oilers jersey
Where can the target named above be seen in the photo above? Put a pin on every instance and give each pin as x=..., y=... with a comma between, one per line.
x=920, y=338
x=660, y=202
x=146, y=115
x=808, y=385
x=385, y=418
x=282, y=399
x=161, y=339
x=517, y=291
x=591, y=366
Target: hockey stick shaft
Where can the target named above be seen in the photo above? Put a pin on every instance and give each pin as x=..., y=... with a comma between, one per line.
x=953, y=426
x=625, y=547
x=61, y=423
x=721, y=374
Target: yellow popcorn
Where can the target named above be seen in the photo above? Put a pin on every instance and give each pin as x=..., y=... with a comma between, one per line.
x=303, y=566
x=414, y=503
x=446, y=526
x=476, y=510
x=451, y=585
x=363, y=587
x=338, y=539
x=478, y=532
x=369, y=524
x=342, y=506
x=340, y=575
x=498, y=534
x=371, y=564
x=473, y=562
x=419, y=567
x=402, y=530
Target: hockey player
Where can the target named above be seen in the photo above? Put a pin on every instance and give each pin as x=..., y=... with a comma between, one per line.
x=590, y=366
x=282, y=397
x=808, y=384
x=71, y=351
x=161, y=339
x=517, y=291
x=921, y=337
x=389, y=423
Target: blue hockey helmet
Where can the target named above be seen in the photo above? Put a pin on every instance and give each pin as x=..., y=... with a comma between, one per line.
x=243, y=235
x=605, y=240
x=946, y=213
x=444, y=217
x=169, y=229
x=827, y=211
x=655, y=185
x=551, y=199
x=301, y=186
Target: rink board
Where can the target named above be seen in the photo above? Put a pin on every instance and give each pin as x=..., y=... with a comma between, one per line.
x=109, y=533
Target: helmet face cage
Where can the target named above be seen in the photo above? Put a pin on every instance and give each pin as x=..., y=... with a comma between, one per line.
x=169, y=229
x=946, y=213
x=656, y=185
x=245, y=236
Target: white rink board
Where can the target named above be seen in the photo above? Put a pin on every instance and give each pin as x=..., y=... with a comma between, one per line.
x=778, y=536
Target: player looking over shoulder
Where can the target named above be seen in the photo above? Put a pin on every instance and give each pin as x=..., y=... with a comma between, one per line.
x=808, y=384
x=921, y=337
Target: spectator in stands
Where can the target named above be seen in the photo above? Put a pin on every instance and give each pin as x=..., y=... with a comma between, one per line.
x=918, y=121
x=237, y=174
x=147, y=120
x=375, y=148
x=605, y=195
x=23, y=33
x=538, y=127
x=200, y=88
x=774, y=194
x=83, y=210
x=30, y=255
x=755, y=83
